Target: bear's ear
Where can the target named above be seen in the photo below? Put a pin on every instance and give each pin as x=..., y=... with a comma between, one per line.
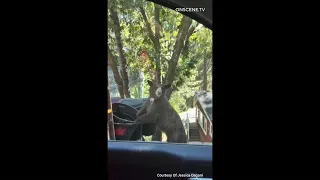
x=167, y=86
x=150, y=83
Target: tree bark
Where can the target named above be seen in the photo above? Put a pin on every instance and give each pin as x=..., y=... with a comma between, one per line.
x=123, y=61
x=116, y=73
x=192, y=30
x=148, y=26
x=155, y=37
x=157, y=46
x=179, y=44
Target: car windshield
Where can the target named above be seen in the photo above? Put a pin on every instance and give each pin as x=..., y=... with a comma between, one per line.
x=159, y=61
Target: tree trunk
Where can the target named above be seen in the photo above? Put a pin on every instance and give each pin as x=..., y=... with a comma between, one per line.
x=155, y=38
x=157, y=46
x=205, y=79
x=123, y=61
x=179, y=44
x=116, y=73
x=170, y=91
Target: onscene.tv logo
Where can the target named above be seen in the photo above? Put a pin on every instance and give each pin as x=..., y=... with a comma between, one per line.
x=190, y=9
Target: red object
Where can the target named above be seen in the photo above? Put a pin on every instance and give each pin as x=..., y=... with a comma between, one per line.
x=120, y=131
x=205, y=137
x=144, y=55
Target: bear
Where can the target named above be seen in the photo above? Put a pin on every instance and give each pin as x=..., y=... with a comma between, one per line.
x=157, y=109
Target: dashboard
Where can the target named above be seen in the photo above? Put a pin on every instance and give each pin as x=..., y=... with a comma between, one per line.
x=134, y=159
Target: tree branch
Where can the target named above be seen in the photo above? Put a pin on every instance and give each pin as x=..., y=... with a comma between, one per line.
x=157, y=46
x=149, y=30
x=192, y=30
x=116, y=74
x=157, y=9
x=155, y=38
x=123, y=62
x=178, y=46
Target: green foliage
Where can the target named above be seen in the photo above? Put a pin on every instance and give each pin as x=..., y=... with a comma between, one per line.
x=147, y=138
x=182, y=99
x=135, y=92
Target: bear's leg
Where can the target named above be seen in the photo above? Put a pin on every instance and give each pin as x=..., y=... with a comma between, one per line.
x=157, y=135
x=146, y=118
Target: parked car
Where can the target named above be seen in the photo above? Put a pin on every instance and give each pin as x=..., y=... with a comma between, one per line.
x=124, y=113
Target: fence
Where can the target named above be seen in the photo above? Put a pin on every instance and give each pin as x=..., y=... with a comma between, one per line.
x=187, y=126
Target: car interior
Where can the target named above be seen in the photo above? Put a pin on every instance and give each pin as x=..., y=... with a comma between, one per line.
x=154, y=160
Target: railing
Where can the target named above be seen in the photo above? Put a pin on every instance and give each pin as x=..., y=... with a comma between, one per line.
x=187, y=126
x=204, y=117
x=210, y=128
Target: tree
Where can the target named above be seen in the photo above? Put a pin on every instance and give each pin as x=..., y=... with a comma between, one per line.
x=117, y=76
x=123, y=61
x=183, y=33
x=205, y=84
x=204, y=66
x=154, y=37
x=179, y=44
